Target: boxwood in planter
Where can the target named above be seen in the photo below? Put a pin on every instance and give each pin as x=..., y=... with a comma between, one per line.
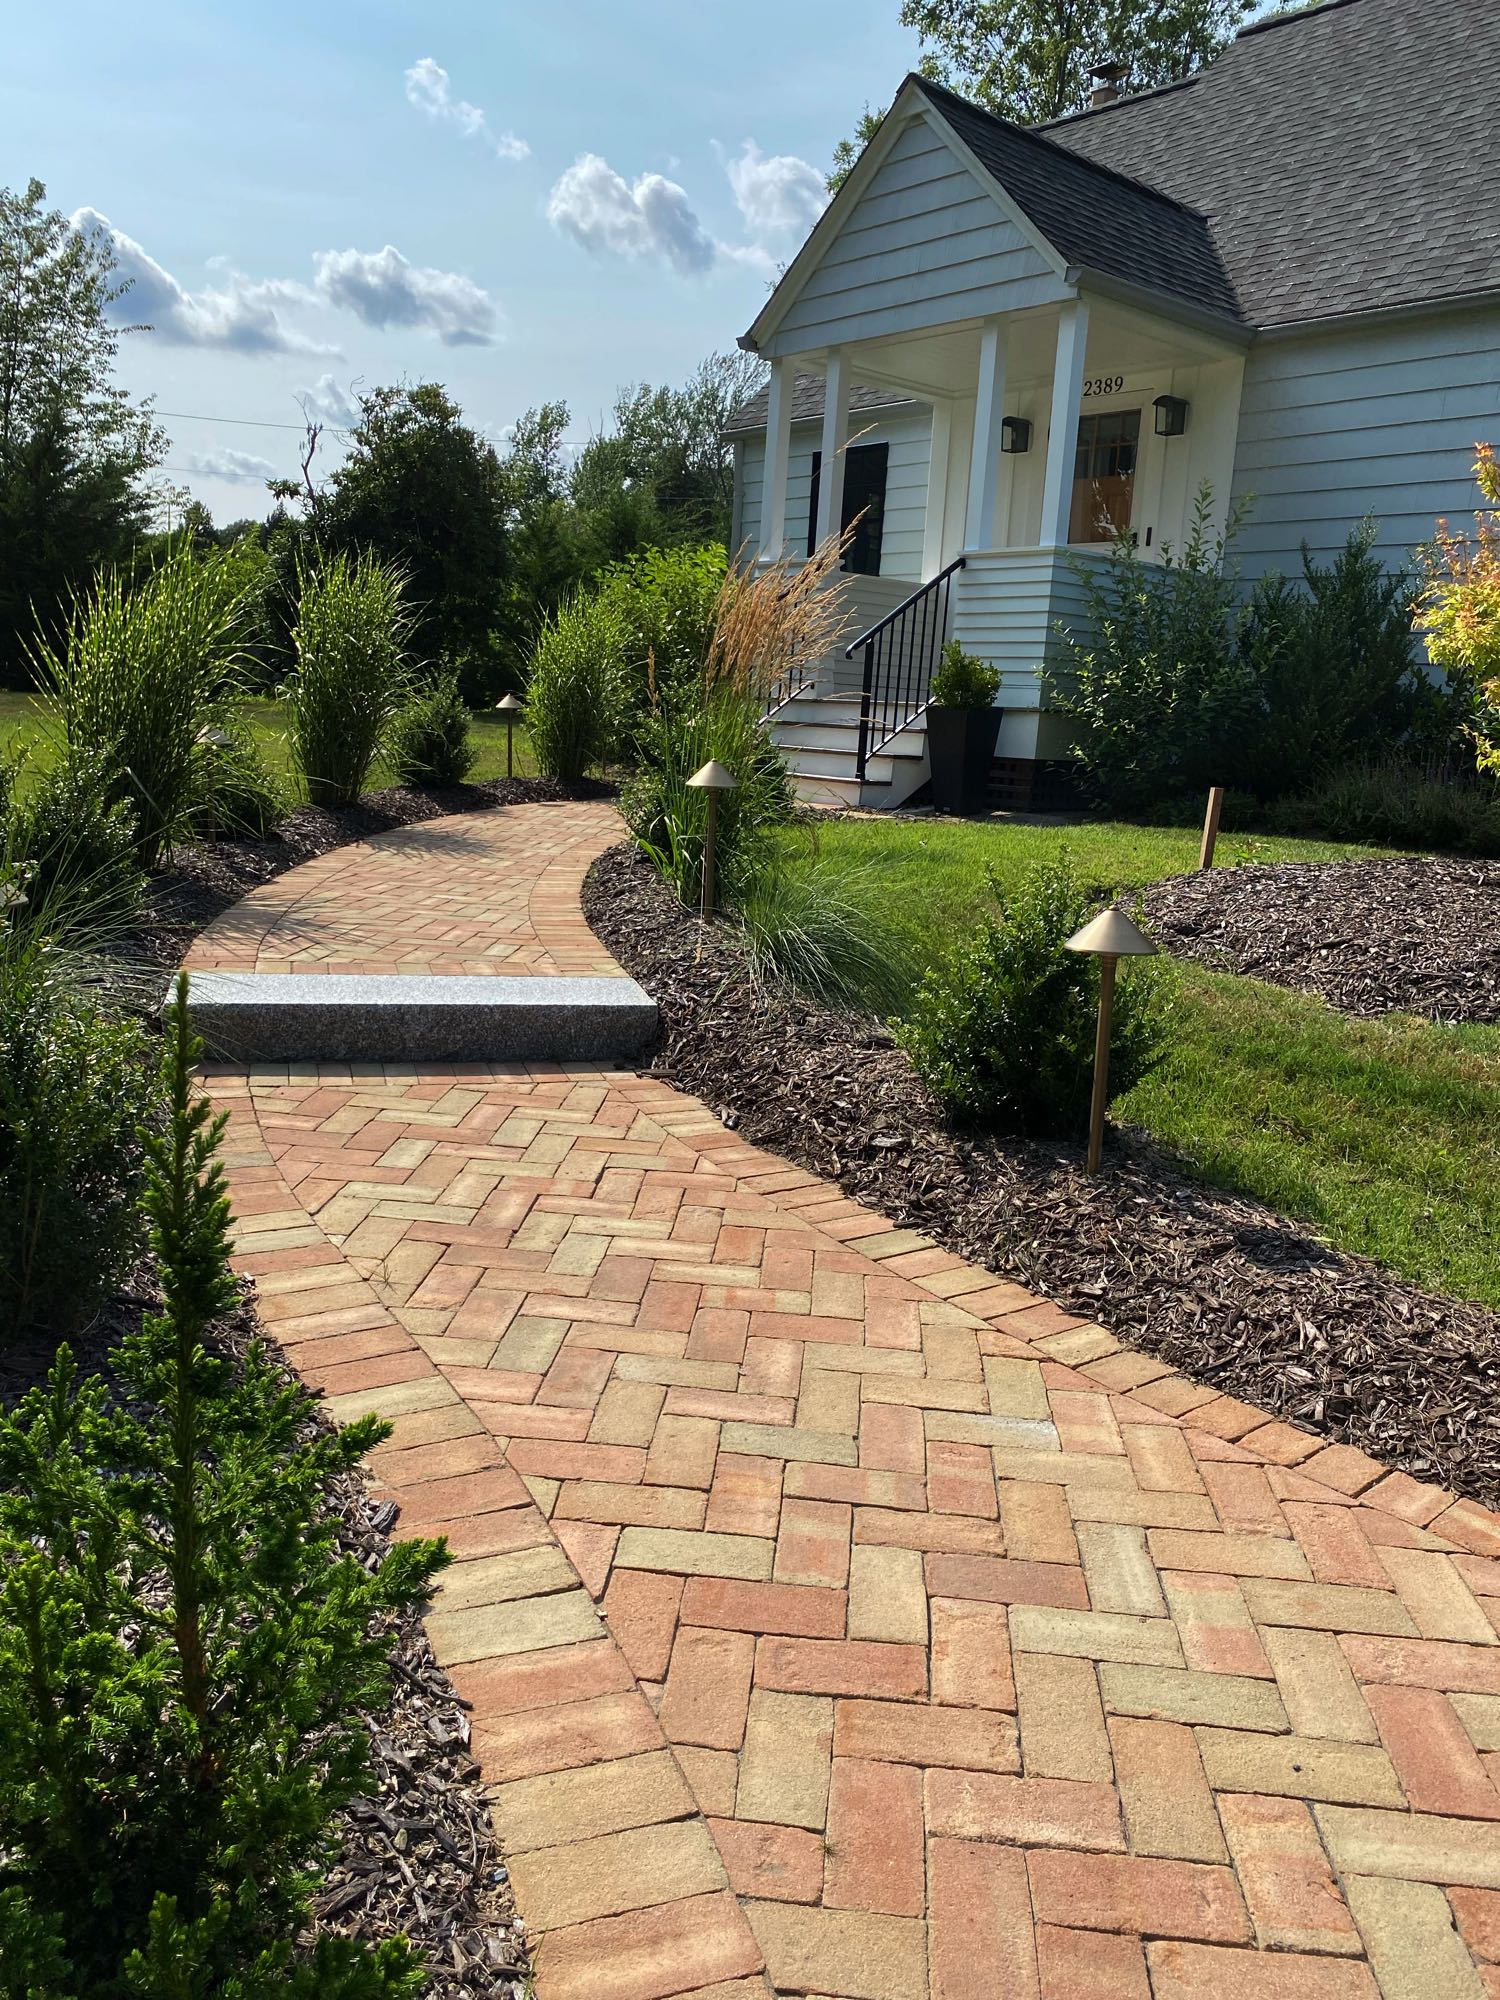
x=961, y=727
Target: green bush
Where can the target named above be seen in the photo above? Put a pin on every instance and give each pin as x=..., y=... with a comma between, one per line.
x=963, y=681
x=669, y=818
x=243, y=799
x=666, y=602
x=143, y=673
x=76, y=850
x=1003, y=1030
x=573, y=687
x=351, y=678
x=75, y=1085
x=430, y=743
x=1396, y=804
x=1187, y=681
x=185, y=1657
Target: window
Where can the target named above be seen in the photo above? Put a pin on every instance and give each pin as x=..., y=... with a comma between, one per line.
x=1104, y=475
x=864, y=494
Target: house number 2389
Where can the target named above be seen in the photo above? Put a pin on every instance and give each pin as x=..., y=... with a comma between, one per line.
x=1103, y=385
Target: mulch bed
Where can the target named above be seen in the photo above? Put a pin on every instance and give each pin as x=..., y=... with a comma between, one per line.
x=418, y=1855
x=1421, y=935
x=1223, y=1289
x=202, y=881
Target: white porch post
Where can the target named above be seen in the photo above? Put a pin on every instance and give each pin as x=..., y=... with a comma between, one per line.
x=935, y=523
x=778, y=453
x=835, y=439
x=1062, y=438
x=984, y=465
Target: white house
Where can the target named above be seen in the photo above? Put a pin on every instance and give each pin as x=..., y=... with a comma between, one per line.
x=1281, y=277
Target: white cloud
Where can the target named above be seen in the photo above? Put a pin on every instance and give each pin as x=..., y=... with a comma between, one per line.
x=328, y=402
x=778, y=196
x=383, y=289
x=242, y=467
x=430, y=89
x=240, y=313
x=601, y=210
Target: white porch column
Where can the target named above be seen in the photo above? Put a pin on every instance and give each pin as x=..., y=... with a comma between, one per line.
x=984, y=465
x=1062, y=438
x=778, y=452
x=935, y=522
x=835, y=440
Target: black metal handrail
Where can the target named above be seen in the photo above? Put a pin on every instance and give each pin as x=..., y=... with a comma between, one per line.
x=900, y=656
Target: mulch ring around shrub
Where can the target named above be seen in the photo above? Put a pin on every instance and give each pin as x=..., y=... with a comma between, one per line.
x=1219, y=1287
x=1416, y=934
x=201, y=881
x=417, y=1856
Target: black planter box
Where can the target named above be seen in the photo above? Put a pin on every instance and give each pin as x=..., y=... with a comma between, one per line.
x=961, y=748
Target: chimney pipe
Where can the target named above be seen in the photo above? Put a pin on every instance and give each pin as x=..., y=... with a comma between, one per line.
x=1108, y=77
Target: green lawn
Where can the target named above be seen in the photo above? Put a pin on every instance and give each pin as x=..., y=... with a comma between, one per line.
x=22, y=726
x=1383, y=1135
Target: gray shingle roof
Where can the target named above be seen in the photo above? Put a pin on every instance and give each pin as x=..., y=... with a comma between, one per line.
x=1092, y=214
x=807, y=402
x=1340, y=156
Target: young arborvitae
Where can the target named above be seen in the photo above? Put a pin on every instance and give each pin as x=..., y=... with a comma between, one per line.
x=184, y=1655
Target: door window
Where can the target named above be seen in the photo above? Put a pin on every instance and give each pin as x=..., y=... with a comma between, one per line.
x=1104, y=475
x=864, y=495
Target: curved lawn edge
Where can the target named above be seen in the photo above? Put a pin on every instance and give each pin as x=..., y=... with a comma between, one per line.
x=1220, y=1287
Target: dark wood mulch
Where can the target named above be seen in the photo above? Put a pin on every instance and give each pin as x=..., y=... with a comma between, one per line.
x=201, y=882
x=1418, y=934
x=418, y=1855
x=1223, y=1289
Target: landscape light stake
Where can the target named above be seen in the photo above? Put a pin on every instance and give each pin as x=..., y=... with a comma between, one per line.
x=1211, y=826
x=713, y=779
x=510, y=708
x=1110, y=937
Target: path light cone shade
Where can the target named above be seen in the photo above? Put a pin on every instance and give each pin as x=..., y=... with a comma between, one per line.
x=1112, y=933
x=510, y=708
x=714, y=778
x=508, y=705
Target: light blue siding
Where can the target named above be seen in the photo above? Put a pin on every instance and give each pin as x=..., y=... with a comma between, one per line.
x=1380, y=421
x=924, y=245
x=910, y=441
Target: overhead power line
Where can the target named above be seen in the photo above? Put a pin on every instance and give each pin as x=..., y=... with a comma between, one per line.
x=255, y=423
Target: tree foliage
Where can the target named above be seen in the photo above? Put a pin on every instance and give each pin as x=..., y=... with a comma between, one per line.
x=1029, y=60
x=73, y=447
x=1458, y=611
x=426, y=493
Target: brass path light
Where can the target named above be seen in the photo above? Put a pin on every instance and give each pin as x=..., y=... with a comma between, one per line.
x=713, y=779
x=1110, y=937
x=510, y=708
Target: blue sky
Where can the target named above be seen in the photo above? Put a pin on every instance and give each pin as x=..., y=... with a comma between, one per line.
x=523, y=201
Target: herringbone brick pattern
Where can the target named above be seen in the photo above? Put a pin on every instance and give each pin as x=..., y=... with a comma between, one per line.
x=841, y=1621
x=458, y=895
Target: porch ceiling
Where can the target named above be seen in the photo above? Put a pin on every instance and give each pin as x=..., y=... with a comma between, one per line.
x=945, y=362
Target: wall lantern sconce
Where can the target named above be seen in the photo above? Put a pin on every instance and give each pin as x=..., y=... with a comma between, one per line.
x=1015, y=433
x=1171, y=416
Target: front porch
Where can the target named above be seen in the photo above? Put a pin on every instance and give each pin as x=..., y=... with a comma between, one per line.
x=989, y=463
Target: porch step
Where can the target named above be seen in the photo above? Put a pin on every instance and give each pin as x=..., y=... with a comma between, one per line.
x=818, y=733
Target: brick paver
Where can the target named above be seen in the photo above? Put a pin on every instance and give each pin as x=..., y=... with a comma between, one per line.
x=466, y=894
x=841, y=1621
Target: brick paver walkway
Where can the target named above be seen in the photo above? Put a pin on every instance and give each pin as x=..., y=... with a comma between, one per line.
x=459, y=895
x=840, y=1621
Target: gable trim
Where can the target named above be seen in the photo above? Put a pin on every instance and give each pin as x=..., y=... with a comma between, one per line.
x=911, y=106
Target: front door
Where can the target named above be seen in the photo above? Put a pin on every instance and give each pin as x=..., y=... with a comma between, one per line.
x=1104, y=475
x=864, y=500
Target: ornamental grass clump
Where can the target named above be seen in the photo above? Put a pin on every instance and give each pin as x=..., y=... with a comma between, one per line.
x=185, y=1655
x=148, y=674
x=573, y=688
x=1003, y=1030
x=351, y=679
